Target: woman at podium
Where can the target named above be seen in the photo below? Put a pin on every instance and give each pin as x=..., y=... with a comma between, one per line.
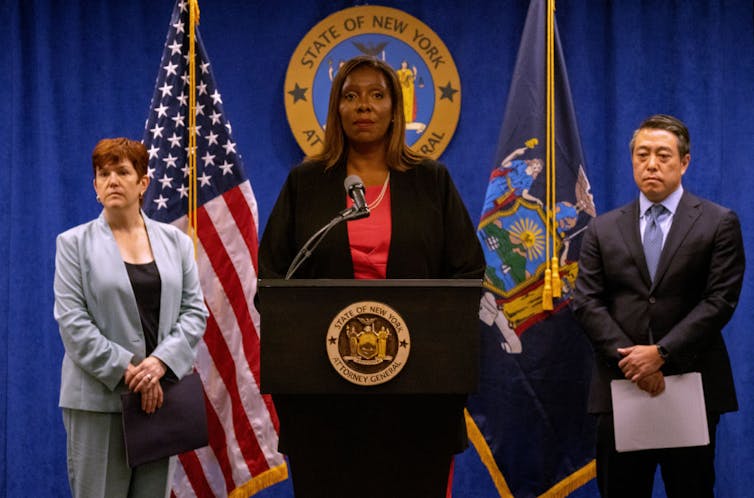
x=418, y=228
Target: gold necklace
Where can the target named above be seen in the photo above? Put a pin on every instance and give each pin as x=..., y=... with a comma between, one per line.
x=382, y=194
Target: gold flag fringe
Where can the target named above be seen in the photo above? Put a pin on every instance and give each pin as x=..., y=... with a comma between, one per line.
x=264, y=480
x=560, y=490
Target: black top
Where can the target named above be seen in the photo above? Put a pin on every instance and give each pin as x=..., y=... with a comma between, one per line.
x=145, y=281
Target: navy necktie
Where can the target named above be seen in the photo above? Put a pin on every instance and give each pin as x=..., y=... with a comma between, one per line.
x=653, y=237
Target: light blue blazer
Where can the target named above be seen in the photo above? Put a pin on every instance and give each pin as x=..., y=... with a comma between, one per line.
x=97, y=315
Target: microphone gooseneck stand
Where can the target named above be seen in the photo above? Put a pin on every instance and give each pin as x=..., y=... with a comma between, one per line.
x=355, y=189
x=352, y=213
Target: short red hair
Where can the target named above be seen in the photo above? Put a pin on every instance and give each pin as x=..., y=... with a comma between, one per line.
x=114, y=150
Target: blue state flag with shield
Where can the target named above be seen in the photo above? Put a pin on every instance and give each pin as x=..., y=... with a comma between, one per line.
x=528, y=422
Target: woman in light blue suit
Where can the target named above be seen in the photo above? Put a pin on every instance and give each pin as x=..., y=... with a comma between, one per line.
x=130, y=311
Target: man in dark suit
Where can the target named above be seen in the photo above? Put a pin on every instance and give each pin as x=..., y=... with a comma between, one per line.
x=655, y=287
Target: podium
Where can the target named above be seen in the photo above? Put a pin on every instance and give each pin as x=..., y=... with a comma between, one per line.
x=333, y=336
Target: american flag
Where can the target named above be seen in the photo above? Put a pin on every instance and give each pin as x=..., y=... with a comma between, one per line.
x=241, y=458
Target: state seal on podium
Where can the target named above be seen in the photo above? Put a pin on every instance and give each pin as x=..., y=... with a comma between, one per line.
x=368, y=343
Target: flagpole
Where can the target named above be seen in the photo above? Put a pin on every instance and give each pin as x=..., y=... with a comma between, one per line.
x=556, y=283
x=191, y=157
x=549, y=159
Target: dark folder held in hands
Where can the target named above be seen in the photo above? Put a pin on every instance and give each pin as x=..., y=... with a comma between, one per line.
x=178, y=426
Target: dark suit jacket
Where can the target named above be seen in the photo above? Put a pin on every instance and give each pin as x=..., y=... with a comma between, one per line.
x=432, y=237
x=696, y=289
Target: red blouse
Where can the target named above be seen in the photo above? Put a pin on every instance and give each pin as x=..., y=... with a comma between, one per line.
x=370, y=237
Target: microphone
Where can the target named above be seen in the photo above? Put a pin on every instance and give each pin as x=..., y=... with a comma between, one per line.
x=355, y=188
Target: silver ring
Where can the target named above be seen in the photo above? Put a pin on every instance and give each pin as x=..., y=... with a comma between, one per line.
x=149, y=377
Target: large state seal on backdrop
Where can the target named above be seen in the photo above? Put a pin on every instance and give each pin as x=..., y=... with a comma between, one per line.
x=429, y=79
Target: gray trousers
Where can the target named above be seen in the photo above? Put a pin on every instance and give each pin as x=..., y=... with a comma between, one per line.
x=97, y=466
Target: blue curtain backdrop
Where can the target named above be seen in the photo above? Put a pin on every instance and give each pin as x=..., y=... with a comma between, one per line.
x=73, y=72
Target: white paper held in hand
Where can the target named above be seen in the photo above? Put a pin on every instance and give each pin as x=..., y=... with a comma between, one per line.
x=673, y=419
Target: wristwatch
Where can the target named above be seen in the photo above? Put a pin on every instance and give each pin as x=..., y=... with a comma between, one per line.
x=662, y=352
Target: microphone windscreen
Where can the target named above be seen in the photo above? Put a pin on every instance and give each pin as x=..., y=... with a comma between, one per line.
x=352, y=181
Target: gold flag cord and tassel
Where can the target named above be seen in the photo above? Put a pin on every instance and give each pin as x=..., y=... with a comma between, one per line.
x=191, y=159
x=553, y=285
x=557, y=286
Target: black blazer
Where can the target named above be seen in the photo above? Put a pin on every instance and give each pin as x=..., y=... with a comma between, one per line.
x=432, y=237
x=697, y=284
x=432, y=234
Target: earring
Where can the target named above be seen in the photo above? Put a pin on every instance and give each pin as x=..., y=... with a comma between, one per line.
x=99, y=200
